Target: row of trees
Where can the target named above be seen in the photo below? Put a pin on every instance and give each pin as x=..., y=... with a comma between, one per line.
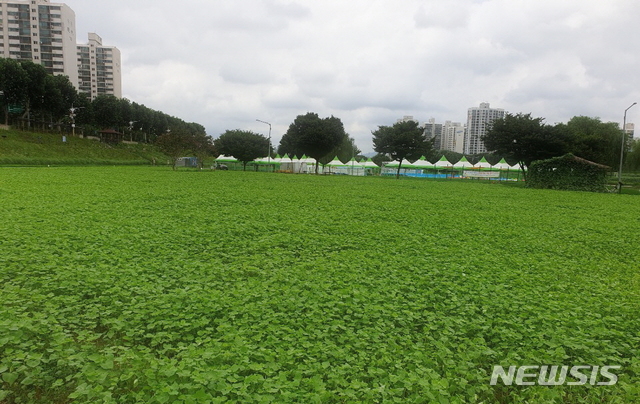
x=325, y=138
x=310, y=135
x=32, y=97
x=523, y=138
x=519, y=138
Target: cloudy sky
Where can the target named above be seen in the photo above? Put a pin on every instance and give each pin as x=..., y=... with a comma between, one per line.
x=226, y=63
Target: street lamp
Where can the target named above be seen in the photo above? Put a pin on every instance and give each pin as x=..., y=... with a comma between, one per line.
x=268, y=155
x=72, y=115
x=624, y=137
x=131, y=129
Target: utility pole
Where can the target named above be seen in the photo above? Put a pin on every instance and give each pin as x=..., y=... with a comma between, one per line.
x=624, y=138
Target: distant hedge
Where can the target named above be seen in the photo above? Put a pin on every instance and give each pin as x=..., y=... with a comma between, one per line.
x=568, y=172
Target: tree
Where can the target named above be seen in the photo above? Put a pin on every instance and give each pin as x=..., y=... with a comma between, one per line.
x=633, y=158
x=244, y=145
x=525, y=139
x=345, y=151
x=175, y=145
x=313, y=136
x=13, y=84
x=107, y=112
x=594, y=140
x=202, y=147
x=380, y=158
x=59, y=96
x=403, y=140
x=36, y=87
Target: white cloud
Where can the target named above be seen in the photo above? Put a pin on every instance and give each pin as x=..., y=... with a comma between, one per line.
x=226, y=63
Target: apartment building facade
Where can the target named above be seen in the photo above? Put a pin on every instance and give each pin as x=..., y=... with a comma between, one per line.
x=42, y=32
x=433, y=131
x=99, y=70
x=453, y=136
x=629, y=129
x=478, y=121
x=45, y=33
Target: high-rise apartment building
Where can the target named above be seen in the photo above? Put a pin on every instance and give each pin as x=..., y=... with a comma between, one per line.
x=407, y=118
x=478, y=121
x=45, y=33
x=629, y=130
x=433, y=130
x=42, y=32
x=99, y=68
x=453, y=137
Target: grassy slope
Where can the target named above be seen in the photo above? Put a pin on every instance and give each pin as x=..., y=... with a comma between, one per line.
x=23, y=148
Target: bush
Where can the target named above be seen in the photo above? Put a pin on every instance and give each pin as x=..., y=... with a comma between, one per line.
x=568, y=172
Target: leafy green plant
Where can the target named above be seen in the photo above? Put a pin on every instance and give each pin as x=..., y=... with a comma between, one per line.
x=568, y=172
x=140, y=284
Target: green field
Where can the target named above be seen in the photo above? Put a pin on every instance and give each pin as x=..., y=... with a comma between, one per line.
x=140, y=284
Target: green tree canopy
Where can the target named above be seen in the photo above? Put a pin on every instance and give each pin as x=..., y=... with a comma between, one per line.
x=59, y=96
x=36, y=85
x=524, y=139
x=594, y=140
x=633, y=158
x=107, y=112
x=380, y=158
x=48, y=97
x=244, y=145
x=346, y=150
x=203, y=146
x=175, y=145
x=314, y=136
x=13, y=84
x=403, y=140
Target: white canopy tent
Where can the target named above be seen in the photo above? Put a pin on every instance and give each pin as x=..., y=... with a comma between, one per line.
x=442, y=163
x=226, y=159
x=369, y=163
x=462, y=164
x=483, y=164
x=405, y=164
x=422, y=163
x=502, y=165
x=355, y=168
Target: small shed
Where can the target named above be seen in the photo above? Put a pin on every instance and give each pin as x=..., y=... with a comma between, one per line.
x=568, y=172
x=111, y=136
x=187, y=162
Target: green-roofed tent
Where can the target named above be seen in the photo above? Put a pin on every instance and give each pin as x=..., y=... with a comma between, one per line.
x=483, y=164
x=230, y=162
x=226, y=159
x=370, y=167
x=336, y=163
x=368, y=163
x=502, y=165
x=462, y=164
x=422, y=163
x=443, y=163
x=405, y=164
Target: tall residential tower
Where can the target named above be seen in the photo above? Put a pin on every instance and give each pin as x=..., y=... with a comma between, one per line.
x=45, y=33
x=42, y=32
x=478, y=121
x=453, y=137
x=99, y=68
x=433, y=131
